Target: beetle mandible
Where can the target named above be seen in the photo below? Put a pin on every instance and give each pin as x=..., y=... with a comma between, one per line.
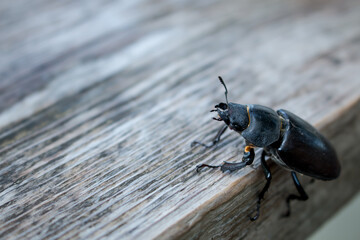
x=286, y=138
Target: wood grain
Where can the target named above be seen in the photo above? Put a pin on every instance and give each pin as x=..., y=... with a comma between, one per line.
x=100, y=100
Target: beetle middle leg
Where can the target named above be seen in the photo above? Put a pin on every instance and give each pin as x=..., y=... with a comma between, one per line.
x=303, y=196
x=214, y=141
x=268, y=177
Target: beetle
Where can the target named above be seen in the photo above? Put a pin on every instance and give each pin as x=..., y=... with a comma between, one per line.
x=287, y=139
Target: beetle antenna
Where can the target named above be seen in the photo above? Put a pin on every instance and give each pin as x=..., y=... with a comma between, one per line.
x=226, y=91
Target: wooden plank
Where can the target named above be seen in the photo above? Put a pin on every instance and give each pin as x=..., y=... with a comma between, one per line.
x=100, y=101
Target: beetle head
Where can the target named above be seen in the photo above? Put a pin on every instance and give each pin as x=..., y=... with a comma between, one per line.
x=234, y=115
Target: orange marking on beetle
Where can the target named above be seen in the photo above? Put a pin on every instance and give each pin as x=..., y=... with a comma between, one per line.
x=248, y=148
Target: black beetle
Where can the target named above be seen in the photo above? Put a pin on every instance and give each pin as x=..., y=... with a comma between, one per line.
x=287, y=139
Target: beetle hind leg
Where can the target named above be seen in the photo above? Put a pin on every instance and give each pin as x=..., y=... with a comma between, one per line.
x=303, y=196
x=268, y=177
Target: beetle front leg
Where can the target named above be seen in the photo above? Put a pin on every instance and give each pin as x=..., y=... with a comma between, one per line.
x=303, y=196
x=248, y=158
x=268, y=177
x=214, y=141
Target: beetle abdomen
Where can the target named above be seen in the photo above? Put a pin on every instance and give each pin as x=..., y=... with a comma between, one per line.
x=305, y=150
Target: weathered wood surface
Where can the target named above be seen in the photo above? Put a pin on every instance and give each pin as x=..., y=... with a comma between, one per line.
x=100, y=100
